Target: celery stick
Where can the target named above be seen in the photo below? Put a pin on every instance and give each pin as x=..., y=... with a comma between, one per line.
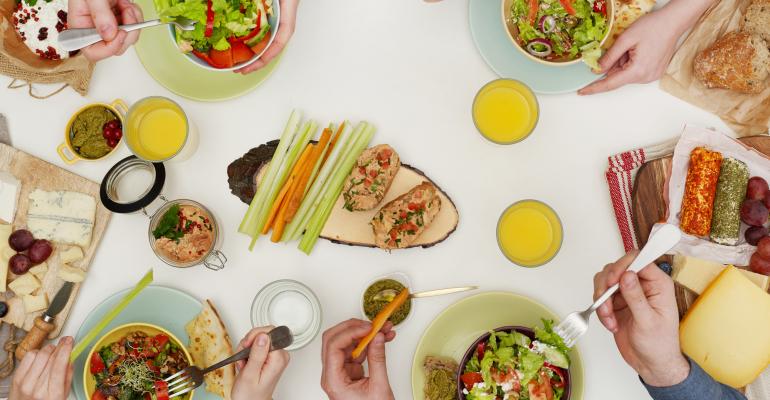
x=334, y=188
x=248, y=224
x=345, y=149
x=299, y=144
x=295, y=227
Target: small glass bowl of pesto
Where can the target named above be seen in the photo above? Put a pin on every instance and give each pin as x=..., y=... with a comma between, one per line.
x=380, y=292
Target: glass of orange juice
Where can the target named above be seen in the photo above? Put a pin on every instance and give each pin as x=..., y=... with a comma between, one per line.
x=529, y=233
x=505, y=111
x=157, y=130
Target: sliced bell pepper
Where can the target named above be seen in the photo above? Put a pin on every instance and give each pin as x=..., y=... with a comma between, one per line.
x=567, y=4
x=254, y=32
x=209, y=19
x=558, y=371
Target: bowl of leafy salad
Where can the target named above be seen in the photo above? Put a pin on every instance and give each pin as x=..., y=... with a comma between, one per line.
x=559, y=32
x=516, y=362
x=229, y=34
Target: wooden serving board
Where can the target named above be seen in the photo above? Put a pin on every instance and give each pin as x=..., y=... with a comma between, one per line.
x=34, y=173
x=649, y=204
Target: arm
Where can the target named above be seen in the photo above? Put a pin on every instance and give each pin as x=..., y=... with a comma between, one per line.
x=697, y=386
x=282, y=37
x=644, y=321
x=642, y=53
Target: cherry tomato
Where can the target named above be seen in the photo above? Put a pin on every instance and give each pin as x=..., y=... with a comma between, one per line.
x=600, y=6
x=114, y=124
x=97, y=365
x=118, y=134
x=98, y=395
x=112, y=142
x=471, y=378
x=161, y=390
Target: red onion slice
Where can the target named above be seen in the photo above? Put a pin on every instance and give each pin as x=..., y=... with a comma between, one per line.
x=547, y=24
x=539, y=42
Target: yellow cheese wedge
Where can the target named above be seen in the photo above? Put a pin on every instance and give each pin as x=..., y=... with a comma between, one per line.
x=726, y=331
x=25, y=284
x=71, y=254
x=35, y=303
x=696, y=274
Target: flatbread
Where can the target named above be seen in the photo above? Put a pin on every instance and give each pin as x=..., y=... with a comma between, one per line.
x=626, y=13
x=209, y=344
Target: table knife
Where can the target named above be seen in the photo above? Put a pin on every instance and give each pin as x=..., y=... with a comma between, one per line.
x=44, y=324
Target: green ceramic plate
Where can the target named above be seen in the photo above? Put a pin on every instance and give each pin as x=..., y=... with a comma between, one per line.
x=506, y=60
x=167, y=65
x=178, y=308
x=450, y=334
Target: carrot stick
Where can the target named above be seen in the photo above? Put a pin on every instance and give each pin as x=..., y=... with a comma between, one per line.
x=379, y=321
x=296, y=198
x=280, y=218
x=285, y=189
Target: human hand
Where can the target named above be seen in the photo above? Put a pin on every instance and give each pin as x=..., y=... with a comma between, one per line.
x=285, y=31
x=44, y=374
x=343, y=377
x=640, y=55
x=644, y=319
x=103, y=15
x=259, y=375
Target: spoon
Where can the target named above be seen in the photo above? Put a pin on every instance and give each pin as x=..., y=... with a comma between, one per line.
x=76, y=39
x=389, y=294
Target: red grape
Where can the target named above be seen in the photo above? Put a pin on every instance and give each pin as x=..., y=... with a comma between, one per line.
x=754, y=234
x=21, y=240
x=757, y=188
x=754, y=213
x=40, y=251
x=109, y=133
x=767, y=201
x=763, y=247
x=118, y=134
x=112, y=142
x=19, y=264
x=759, y=265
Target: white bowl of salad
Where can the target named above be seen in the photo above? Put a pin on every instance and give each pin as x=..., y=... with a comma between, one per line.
x=516, y=362
x=559, y=32
x=230, y=34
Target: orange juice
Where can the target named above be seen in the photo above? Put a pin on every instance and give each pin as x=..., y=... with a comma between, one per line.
x=529, y=233
x=156, y=129
x=505, y=111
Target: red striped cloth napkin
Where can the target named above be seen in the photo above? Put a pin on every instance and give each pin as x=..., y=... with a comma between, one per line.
x=621, y=171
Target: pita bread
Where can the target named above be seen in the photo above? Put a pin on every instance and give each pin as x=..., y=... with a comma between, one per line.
x=626, y=13
x=209, y=344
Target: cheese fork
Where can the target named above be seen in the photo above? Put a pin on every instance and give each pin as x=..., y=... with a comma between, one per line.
x=576, y=324
x=191, y=377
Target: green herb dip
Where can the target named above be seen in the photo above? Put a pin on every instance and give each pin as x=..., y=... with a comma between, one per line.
x=87, y=132
x=373, y=306
x=440, y=385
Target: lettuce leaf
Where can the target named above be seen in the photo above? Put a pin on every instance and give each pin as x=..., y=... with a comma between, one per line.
x=529, y=365
x=548, y=336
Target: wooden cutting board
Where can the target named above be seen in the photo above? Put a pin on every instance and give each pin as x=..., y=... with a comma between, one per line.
x=34, y=173
x=649, y=205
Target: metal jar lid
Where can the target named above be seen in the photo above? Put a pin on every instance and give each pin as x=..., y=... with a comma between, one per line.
x=131, y=185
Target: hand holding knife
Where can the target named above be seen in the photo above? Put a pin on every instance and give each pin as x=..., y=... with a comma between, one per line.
x=44, y=324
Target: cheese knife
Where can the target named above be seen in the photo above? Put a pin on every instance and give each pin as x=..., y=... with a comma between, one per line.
x=44, y=324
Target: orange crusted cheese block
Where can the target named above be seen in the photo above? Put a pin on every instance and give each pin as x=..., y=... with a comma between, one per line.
x=699, y=192
x=726, y=331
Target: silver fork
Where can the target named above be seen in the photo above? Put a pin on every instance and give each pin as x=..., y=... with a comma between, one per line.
x=576, y=324
x=191, y=377
x=78, y=38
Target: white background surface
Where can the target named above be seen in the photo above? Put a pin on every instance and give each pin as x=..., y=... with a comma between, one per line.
x=410, y=68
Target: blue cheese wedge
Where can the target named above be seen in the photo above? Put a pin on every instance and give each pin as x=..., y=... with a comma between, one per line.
x=62, y=217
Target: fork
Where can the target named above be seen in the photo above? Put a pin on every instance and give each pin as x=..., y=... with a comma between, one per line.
x=78, y=38
x=576, y=324
x=191, y=377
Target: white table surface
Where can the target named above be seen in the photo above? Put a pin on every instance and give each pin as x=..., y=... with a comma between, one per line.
x=410, y=68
